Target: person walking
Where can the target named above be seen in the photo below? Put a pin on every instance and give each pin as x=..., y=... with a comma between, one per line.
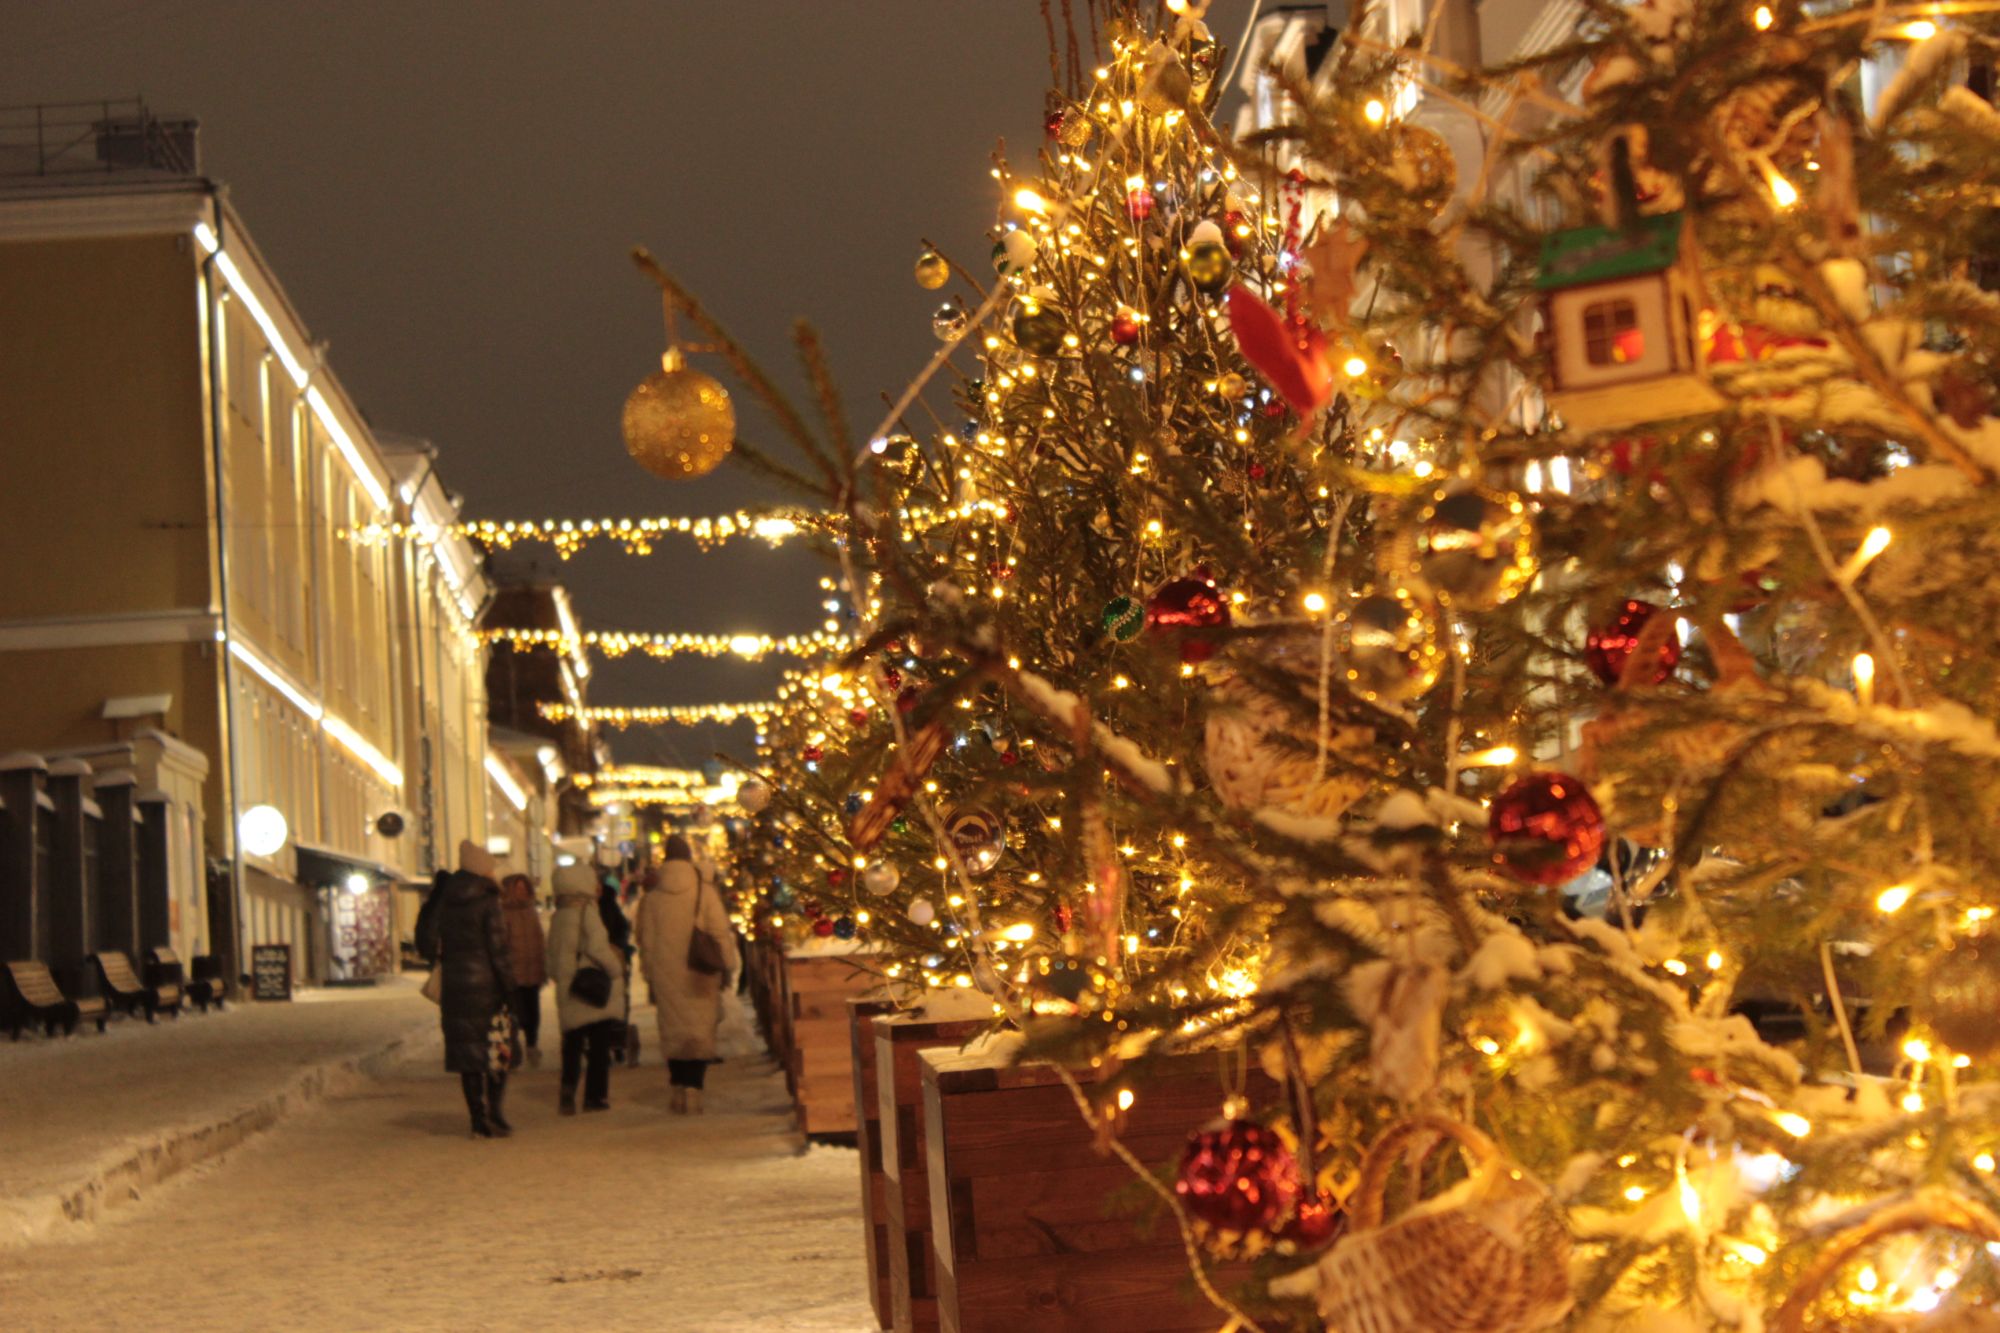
x=687, y=1001
x=526, y=948
x=589, y=972
x=476, y=983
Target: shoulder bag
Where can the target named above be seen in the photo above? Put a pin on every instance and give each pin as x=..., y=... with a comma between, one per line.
x=589, y=984
x=704, y=950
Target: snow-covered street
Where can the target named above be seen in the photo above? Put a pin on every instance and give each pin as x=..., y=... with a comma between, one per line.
x=375, y=1210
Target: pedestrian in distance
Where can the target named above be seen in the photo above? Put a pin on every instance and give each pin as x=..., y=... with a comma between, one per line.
x=589, y=972
x=686, y=978
x=476, y=983
x=526, y=947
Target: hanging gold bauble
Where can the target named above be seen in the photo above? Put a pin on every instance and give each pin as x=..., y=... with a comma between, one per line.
x=932, y=270
x=679, y=422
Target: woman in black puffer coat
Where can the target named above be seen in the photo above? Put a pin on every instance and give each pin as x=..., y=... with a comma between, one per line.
x=478, y=979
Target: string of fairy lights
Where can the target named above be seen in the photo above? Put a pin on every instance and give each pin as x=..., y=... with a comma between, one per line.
x=619, y=643
x=642, y=535
x=618, y=717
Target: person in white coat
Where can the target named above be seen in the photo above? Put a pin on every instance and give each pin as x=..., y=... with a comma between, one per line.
x=578, y=939
x=687, y=1003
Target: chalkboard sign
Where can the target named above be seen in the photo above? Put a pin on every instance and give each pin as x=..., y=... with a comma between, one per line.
x=271, y=971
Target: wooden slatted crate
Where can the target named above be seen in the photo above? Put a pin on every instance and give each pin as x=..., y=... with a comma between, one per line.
x=898, y=1039
x=820, y=1047
x=861, y=1010
x=1035, y=1229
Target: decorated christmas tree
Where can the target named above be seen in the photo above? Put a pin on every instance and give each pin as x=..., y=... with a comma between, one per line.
x=1506, y=647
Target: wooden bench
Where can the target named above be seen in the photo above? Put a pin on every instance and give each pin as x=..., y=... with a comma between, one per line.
x=32, y=997
x=1033, y=1227
x=163, y=968
x=124, y=991
x=206, y=986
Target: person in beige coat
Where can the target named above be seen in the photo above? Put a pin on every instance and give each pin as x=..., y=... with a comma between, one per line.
x=577, y=938
x=687, y=1003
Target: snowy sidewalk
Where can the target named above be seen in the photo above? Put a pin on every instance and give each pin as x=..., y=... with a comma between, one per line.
x=91, y=1121
x=375, y=1210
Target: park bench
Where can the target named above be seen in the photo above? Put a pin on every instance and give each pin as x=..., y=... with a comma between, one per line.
x=124, y=990
x=31, y=996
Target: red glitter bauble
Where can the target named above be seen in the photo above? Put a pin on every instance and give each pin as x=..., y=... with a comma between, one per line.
x=1608, y=648
x=1125, y=328
x=813, y=754
x=1181, y=605
x=1315, y=1224
x=836, y=876
x=823, y=927
x=1139, y=203
x=1237, y=1177
x=858, y=716
x=1546, y=828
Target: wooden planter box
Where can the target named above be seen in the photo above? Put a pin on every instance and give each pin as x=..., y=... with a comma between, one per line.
x=1033, y=1227
x=868, y=1138
x=820, y=1047
x=763, y=967
x=898, y=1039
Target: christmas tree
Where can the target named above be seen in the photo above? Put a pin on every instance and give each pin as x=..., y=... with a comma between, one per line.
x=1510, y=652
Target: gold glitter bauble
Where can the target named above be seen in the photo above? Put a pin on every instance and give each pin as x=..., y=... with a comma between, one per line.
x=679, y=422
x=932, y=271
x=1475, y=546
x=1421, y=162
x=1963, y=995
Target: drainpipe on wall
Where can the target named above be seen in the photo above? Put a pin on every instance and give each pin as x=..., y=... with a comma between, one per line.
x=217, y=462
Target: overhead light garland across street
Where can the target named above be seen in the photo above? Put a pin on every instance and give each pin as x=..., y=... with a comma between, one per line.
x=660, y=715
x=642, y=535
x=617, y=643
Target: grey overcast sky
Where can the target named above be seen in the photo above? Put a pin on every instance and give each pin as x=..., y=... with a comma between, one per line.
x=448, y=190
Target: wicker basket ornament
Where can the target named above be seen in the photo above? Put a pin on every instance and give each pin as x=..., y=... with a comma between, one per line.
x=1251, y=769
x=1489, y=1255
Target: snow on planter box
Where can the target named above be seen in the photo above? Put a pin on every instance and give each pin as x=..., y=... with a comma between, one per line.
x=1033, y=1227
x=861, y=1010
x=898, y=1039
x=819, y=979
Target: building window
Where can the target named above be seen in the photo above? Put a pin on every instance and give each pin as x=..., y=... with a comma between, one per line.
x=1611, y=334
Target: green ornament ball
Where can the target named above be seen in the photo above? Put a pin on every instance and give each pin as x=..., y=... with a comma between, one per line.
x=1209, y=266
x=1039, y=329
x=1123, y=618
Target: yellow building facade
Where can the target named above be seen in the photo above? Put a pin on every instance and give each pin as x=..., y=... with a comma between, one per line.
x=188, y=495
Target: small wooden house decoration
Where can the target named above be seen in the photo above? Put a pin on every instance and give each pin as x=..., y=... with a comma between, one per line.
x=1620, y=313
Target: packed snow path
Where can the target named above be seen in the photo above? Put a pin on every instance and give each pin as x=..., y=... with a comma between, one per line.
x=376, y=1210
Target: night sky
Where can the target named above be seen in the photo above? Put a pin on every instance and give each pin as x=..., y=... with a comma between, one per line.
x=448, y=191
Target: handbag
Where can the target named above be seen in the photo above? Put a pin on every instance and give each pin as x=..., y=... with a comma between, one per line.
x=704, y=950
x=589, y=984
x=503, y=1042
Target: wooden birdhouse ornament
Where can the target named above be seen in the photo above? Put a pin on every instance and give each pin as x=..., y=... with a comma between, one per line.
x=1620, y=311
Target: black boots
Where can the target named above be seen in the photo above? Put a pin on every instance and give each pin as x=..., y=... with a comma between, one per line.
x=483, y=1095
x=566, y=1102
x=496, y=1093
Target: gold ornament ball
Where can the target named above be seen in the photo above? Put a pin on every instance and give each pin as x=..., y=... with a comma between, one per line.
x=932, y=271
x=1390, y=644
x=1421, y=162
x=1475, y=546
x=679, y=423
x=1964, y=995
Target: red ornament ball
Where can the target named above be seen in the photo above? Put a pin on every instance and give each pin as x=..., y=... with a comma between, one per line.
x=1183, y=605
x=1125, y=328
x=823, y=927
x=858, y=716
x=1237, y=1177
x=1256, y=472
x=1609, y=647
x=1546, y=828
x=1139, y=203
x=1316, y=1224
x=812, y=754
x=836, y=876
